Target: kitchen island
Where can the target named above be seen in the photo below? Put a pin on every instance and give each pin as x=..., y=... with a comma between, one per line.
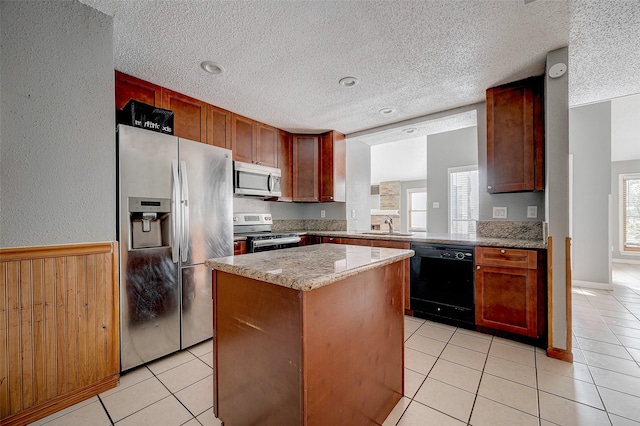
x=309, y=335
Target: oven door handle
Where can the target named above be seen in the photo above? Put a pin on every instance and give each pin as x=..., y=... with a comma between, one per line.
x=275, y=241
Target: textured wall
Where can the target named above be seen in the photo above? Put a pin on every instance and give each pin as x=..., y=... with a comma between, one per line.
x=590, y=145
x=57, y=151
x=557, y=190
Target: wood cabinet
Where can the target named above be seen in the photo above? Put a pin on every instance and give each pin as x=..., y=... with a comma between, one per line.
x=333, y=156
x=285, y=164
x=189, y=115
x=218, y=127
x=515, y=136
x=239, y=247
x=305, y=168
x=193, y=119
x=129, y=87
x=253, y=142
x=510, y=291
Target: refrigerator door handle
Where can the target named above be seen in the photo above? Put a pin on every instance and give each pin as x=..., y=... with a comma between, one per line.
x=185, y=211
x=175, y=198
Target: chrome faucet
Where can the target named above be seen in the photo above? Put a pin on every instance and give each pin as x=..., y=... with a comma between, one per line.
x=389, y=221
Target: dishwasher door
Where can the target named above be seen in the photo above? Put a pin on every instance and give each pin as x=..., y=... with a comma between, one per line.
x=442, y=283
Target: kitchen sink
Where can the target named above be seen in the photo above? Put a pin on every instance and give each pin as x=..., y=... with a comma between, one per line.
x=395, y=233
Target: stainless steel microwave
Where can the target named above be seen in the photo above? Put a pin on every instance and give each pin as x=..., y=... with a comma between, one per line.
x=256, y=180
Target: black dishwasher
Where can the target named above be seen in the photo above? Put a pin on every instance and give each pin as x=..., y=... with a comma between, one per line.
x=442, y=283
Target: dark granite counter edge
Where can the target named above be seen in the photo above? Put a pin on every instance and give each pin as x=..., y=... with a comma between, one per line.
x=448, y=239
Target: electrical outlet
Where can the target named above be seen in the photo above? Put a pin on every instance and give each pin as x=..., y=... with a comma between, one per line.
x=436, y=205
x=499, y=212
x=321, y=213
x=532, y=211
x=353, y=213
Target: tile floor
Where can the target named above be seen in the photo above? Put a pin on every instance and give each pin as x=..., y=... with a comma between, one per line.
x=452, y=376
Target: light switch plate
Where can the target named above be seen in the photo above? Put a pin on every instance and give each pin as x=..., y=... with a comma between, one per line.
x=353, y=213
x=532, y=211
x=499, y=212
x=436, y=205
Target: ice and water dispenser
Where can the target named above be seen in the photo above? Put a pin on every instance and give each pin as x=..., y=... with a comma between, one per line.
x=150, y=222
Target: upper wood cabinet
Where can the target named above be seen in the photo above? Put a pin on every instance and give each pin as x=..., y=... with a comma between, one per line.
x=253, y=142
x=305, y=168
x=509, y=291
x=267, y=146
x=129, y=87
x=333, y=155
x=218, y=127
x=515, y=136
x=189, y=115
x=285, y=164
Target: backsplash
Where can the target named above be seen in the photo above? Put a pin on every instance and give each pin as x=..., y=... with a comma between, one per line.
x=309, y=225
x=517, y=230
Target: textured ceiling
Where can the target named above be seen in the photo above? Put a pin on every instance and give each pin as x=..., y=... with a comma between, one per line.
x=283, y=59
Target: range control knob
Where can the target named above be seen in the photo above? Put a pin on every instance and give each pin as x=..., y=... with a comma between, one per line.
x=459, y=255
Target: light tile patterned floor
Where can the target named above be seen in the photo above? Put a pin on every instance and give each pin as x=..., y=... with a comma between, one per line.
x=452, y=376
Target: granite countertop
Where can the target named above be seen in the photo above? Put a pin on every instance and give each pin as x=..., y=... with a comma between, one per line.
x=308, y=267
x=461, y=239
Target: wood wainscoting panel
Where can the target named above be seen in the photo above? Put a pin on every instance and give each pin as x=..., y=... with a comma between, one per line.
x=59, y=327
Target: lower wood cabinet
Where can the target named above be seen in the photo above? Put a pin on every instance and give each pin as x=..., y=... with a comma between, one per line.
x=239, y=247
x=510, y=291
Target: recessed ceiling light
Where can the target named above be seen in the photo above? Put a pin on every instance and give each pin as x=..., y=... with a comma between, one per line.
x=410, y=130
x=387, y=111
x=348, y=81
x=211, y=67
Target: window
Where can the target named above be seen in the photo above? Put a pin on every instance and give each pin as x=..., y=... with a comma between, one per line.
x=463, y=199
x=631, y=212
x=417, y=203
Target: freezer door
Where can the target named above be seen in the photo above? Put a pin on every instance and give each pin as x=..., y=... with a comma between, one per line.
x=206, y=201
x=197, y=305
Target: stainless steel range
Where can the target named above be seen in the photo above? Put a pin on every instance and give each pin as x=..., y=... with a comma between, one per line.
x=256, y=227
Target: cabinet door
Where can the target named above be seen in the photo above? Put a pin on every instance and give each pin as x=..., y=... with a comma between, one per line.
x=305, y=168
x=332, y=240
x=218, y=127
x=515, y=136
x=189, y=115
x=267, y=145
x=356, y=241
x=507, y=290
x=129, y=87
x=333, y=167
x=285, y=164
x=242, y=136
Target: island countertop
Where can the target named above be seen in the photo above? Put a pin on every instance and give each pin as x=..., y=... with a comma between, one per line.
x=308, y=267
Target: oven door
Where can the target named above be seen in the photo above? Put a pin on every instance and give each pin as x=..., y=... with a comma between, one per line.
x=442, y=285
x=256, y=246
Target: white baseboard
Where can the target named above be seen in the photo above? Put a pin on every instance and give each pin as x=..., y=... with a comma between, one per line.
x=591, y=284
x=630, y=261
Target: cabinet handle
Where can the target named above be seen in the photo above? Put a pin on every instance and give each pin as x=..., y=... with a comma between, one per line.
x=489, y=187
x=502, y=251
x=478, y=267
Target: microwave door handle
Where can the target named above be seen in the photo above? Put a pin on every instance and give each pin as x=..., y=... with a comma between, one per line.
x=270, y=183
x=175, y=199
x=185, y=211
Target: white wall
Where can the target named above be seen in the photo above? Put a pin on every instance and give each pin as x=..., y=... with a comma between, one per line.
x=444, y=150
x=57, y=149
x=403, y=160
x=358, y=186
x=590, y=145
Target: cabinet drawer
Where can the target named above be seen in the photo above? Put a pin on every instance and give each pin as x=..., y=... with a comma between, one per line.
x=334, y=240
x=515, y=258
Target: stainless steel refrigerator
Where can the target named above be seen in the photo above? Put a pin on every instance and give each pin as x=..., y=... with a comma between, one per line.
x=175, y=211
